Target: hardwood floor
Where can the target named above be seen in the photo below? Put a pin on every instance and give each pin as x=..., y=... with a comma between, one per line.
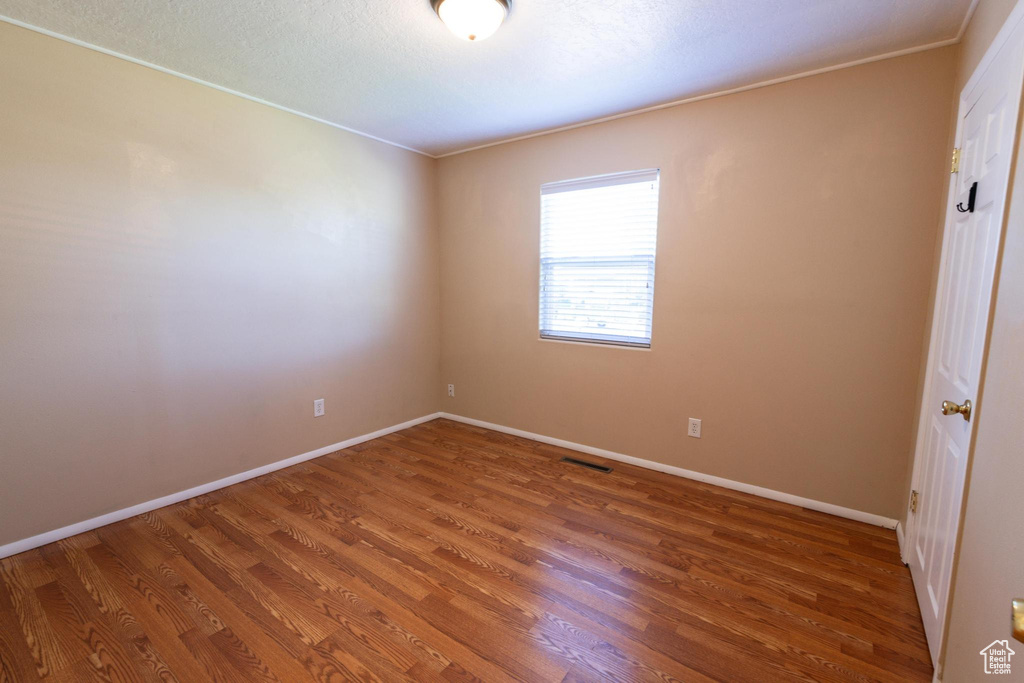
x=449, y=552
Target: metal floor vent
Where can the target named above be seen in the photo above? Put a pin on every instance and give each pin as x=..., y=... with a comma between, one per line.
x=588, y=465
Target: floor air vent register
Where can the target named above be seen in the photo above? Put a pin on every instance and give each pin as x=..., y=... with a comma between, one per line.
x=588, y=465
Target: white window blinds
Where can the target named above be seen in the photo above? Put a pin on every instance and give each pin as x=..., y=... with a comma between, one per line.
x=597, y=244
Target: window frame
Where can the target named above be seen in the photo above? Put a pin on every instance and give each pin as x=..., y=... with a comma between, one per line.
x=593, y=182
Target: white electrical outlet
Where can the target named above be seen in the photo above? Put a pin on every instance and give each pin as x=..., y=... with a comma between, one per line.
x=694, y=429
x=451, y=391
x=318, y=408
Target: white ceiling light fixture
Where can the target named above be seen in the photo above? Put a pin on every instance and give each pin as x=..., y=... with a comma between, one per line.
x=472, y=20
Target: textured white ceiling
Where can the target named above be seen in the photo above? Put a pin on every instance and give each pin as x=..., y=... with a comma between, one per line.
x=390, y=69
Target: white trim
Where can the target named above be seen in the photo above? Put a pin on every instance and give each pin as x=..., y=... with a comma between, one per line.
x=770, y=494
x=902, y=541
x=587, y=342
x=647, y=175
x=88, y=525
x=199, y=81
x=1008, y=27
x=709, y=96
x=967, y=20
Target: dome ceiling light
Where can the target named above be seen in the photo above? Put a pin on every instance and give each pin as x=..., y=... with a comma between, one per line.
x=472, y=19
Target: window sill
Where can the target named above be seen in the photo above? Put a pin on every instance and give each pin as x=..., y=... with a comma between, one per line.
x=599, y=344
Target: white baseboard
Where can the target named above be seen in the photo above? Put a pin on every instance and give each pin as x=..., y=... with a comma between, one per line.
x=21, y=546
x=88, y=525
x=901, y=539
x=771, y=494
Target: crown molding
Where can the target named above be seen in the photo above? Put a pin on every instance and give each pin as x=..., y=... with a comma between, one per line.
x=199, y=81
x=550, y=131
x=718, y=93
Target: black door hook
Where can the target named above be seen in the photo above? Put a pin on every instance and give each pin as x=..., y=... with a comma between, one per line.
x=970, y=200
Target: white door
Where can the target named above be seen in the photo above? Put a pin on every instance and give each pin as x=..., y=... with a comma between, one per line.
x=987, y=127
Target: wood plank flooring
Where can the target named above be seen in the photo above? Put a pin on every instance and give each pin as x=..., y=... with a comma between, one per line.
x=449, y=552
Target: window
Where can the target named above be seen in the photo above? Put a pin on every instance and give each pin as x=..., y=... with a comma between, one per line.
x=597, y=243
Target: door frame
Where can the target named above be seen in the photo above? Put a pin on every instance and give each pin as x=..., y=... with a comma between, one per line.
x=998, y=43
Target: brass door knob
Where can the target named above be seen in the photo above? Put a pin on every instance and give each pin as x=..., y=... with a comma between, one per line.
x=950, y=408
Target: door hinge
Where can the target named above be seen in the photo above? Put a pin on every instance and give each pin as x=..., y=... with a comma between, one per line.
x=913, y=501
x=955, y=168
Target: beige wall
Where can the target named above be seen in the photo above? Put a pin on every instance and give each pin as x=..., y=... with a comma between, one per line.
x=990, y=565
x=182, y=272
x=795, y=248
